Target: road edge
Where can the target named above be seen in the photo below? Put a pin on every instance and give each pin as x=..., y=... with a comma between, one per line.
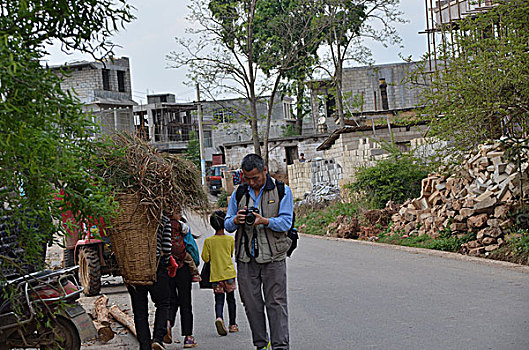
x=430, y=252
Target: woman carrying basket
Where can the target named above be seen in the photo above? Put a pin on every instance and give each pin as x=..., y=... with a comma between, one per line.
x=159, y=291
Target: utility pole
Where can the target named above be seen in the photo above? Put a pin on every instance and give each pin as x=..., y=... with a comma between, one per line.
x=201, y=138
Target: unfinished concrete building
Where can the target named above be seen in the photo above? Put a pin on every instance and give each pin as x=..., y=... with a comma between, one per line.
x=166, y=123
x=224, y=121
x=283, y=151
x=442, y=17
x=371, y=93
x=105, y=90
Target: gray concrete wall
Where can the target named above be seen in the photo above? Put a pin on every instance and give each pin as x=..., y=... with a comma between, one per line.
x=87, y=80
x=304, y=177
x=365, y=81
x=277, y=154
x=357, y=149
x=350, y=152
x=362, y=84
x=112, y=109
x=239, y=130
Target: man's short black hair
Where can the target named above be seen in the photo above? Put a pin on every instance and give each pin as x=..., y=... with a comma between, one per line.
x=253, y=161
x=217, y=220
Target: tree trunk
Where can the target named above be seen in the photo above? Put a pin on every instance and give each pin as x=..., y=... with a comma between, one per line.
x=254, y=126
x=123, y=318
x=339, y=95
x=101, y=310
x=102, y=322
x=104, y=332
x=269, y=119
x=252, y=79
x=300, y=113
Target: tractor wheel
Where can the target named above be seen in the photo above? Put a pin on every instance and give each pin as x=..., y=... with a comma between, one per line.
x=68, y=255
x=89, y=271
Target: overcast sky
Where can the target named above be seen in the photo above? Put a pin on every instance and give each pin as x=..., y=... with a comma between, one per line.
x=148, y=40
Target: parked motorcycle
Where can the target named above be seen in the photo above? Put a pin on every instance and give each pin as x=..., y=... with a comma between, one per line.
x=43, y=312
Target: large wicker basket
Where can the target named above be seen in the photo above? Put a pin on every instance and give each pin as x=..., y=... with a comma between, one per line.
x=133, y=236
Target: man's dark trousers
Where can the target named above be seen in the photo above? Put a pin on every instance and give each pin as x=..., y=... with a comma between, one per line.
x=160, y=292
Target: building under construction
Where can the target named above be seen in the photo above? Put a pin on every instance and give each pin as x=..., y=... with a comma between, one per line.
x=442, y=18
x=104, y=89
x=166, y=123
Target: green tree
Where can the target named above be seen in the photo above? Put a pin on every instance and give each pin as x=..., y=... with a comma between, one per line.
x=244, y=47
x=347, y=23
x=481, y=90
x=221, y=57
x=193, y=149
x=288, y=34
x=47, y=140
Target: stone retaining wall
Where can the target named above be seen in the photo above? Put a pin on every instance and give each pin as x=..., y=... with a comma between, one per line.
x=304, y=177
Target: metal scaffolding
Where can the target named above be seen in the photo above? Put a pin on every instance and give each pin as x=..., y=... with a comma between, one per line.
x=442, y=17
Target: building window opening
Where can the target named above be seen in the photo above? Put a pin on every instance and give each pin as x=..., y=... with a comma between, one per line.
x=288, y=104
x=223, y=115
x=121, y=81
x=384, y=93
x=291, y=153
x=106, y=79
x=208, y=142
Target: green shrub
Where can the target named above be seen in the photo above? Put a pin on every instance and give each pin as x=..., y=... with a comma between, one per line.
x=395, y=179
x=222, y=201
x=450, y=244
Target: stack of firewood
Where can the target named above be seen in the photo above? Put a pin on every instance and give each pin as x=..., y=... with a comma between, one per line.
x=477, y=199
x=102, y=317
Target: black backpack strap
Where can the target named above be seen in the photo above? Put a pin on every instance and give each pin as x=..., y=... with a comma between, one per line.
x=241, y=191
x=281, y=193
x=280, y=189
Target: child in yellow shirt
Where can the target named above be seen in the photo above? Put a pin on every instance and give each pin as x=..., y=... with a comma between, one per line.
x=218, y=251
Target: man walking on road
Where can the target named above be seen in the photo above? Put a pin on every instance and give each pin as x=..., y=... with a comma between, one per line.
x=261, y=211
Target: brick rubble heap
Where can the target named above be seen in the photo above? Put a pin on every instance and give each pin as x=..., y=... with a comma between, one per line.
x=478, y=199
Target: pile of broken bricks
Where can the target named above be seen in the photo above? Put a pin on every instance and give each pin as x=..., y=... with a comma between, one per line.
x=476, y=199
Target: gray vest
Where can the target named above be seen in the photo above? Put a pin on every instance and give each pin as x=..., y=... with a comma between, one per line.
x=272, y=245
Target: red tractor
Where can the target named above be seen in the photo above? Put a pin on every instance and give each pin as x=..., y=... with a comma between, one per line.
x=90, y=249
x=214, y=178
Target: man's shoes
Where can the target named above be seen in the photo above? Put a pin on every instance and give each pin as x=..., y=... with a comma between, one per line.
x=267, y=347
x=221, y=328
x=190, y=342
x=157, y=346
x=234, y=328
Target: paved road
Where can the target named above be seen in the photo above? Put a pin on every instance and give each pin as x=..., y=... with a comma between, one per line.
x=349, y=295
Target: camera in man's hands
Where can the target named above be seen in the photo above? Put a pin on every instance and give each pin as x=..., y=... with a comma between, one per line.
x=250, y=217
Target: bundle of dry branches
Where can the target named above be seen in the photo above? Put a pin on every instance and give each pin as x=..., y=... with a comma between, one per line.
x=164, y=181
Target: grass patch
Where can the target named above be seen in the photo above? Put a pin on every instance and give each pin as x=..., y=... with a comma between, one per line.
x=445, y=241
x=316, y=220
x=516, y=250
